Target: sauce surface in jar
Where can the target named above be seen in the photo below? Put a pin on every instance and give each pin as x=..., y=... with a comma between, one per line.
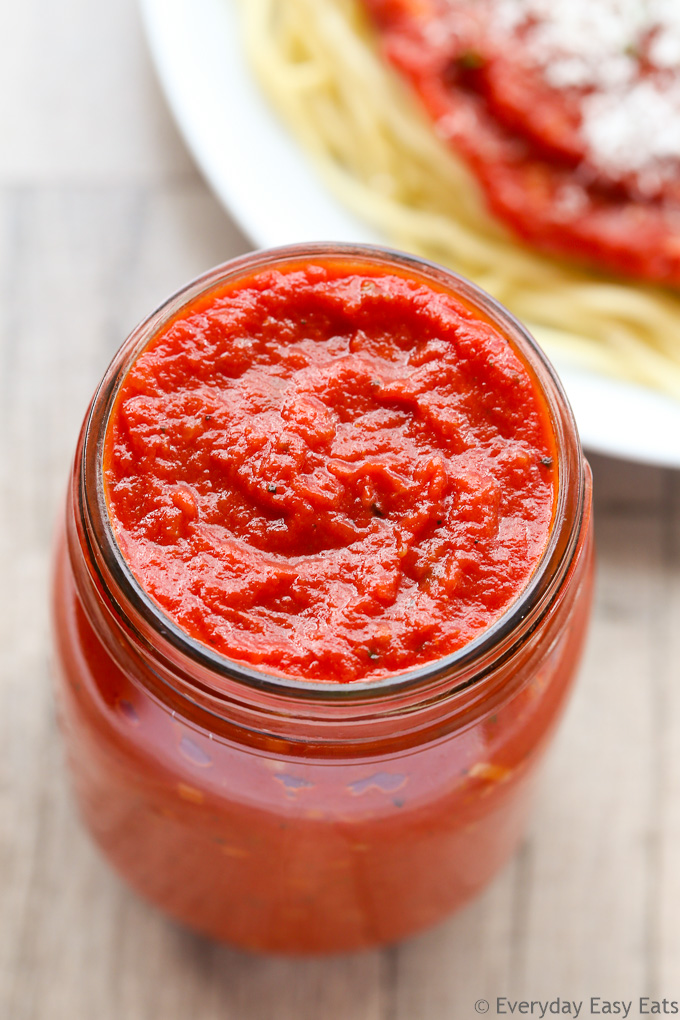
x=331, y=472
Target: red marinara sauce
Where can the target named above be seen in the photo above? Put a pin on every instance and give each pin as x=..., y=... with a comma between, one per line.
x=331, y=473
x=264, y=806
x=567, y=113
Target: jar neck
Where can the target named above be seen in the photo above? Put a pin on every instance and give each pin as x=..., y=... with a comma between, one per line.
x=231, y=698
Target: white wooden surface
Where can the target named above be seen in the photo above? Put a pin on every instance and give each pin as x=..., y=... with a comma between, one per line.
x=101, y=215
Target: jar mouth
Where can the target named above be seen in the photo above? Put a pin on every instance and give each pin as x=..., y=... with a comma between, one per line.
x=462, y=668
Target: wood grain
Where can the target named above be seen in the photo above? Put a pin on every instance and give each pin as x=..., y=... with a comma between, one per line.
x=101, y=216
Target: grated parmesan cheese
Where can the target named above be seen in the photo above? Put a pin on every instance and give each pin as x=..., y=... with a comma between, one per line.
x=624, y=56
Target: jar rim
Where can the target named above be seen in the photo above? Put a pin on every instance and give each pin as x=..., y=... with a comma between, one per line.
x=462, y=668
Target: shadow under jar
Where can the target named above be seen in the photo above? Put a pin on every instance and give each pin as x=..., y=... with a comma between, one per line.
x=286, y=813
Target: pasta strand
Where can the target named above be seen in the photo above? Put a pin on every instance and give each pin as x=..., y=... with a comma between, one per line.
x=318, y=63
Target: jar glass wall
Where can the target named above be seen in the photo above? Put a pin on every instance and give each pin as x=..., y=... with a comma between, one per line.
x=288, y=815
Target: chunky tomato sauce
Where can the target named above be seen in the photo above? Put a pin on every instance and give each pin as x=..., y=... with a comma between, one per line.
x=329, y=473
x=335, y=469
x=282, y=847
x=567, y=112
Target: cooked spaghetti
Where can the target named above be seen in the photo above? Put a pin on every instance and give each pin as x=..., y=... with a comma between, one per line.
x=318, y=62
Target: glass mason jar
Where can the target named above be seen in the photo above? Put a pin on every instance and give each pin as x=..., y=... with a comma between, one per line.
x=285, y=815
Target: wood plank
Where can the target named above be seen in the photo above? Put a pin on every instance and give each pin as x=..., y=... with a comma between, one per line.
x=590, y=898
x=666, y=875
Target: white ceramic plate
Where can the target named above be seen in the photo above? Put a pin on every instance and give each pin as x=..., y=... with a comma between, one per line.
x=265, y=181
